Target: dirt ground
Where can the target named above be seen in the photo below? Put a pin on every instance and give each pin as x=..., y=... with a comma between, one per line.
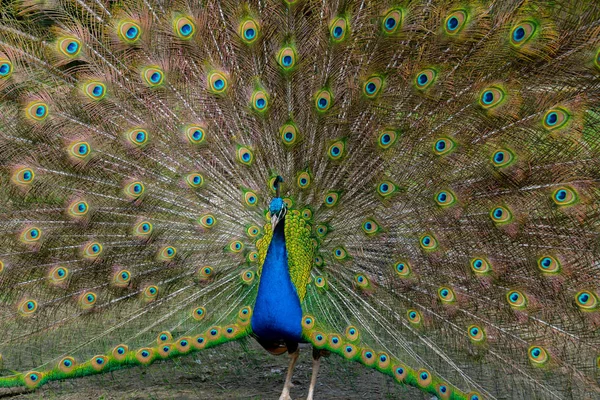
x=227, y=372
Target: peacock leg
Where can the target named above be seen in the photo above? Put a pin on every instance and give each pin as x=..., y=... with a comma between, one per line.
x=285, y=394
x=315, y=372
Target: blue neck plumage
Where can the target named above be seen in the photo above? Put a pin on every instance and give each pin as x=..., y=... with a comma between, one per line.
x=277, y=314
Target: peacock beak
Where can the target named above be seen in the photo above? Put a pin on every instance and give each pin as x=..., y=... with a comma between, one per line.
x=274, y=221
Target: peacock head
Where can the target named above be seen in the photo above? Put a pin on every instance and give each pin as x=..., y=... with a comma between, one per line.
x=277, y=207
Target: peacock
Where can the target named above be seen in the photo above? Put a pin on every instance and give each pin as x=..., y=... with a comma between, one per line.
x=412, y=185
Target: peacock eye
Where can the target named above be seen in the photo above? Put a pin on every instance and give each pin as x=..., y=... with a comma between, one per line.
x=391, y=21
x=69, y=46
x=372, y=86
x=129, y=31
x=480, y=265
x=184, y=28
x=503, y=158
x=303, y=180
x=323, y=100
x=245, y=155
x=387, y=138
x=6, y=68
x=260, y=101
x=153, y=76
x=94, y=90
x=455, y=22
x=501, y=215
x=249, y=31
x=446, y=294
x=491, y=97
x=443, y=146
x=402, y=268
x=476, y=333
x=538, y=355
x=217, y=82
x=338, y=29
x=425, y=78
x=428, y=242
x=287, y=58
x=522, y=33
x=555, y=119
x=289, y=134
x=423, y=378
x=37, y=110
x=337, y=150
x=516, y=299
x=586, y=300
x=445, y=198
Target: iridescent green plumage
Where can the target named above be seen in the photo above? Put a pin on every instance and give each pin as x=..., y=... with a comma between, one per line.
x=440, y=179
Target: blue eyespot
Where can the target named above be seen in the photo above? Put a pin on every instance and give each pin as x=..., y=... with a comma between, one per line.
x=400, y=371
x=82, y=149
x=98, y=90
x=552, y=118
x=426, y=240
x=452, y=23
x=424, y=376
x=140, y=136
x=249, y=33
x=385, y=139
x=61, y=272
x=137, y=188
x=474, y=331
x=30, y=305
x=229, y=330
x=131, y=32
x=337, y=32
x=442, y=197
x=4, y=69
x=335, y=340
x=186, y=29
x=348, y=349
x=209, y=221
x=444, y=293
x=583, y=298
x=499, y=157
x=27, y=175
x=383, y=358
x=319, y=337
x=163, y=337
x=519, y=34
x=166, y=349
x=200, y=340
x=488, y=97
x=219, y=84
x=246, y=156
x=95, y=248
x=443, y=389
x=33, y=377
x=371, y=88
x=155, y=77
x=152, y=290
x=514, y=297
x=335, y=150
x=261, y=103
x=322, y=102
x=422, y=79
x=40, y=111
x=287, y=61
x=413, y=315
x=440, y=145
x=390, y=23
x=81, y=207
x=33, y=233
x=99, y=361
x=368, y=354
x=213, y=332
x=121, y=350
x=145, y=353
x=72, y=47
x=498, y=212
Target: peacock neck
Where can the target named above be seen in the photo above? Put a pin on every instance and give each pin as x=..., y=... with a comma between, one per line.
x=277, y=312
